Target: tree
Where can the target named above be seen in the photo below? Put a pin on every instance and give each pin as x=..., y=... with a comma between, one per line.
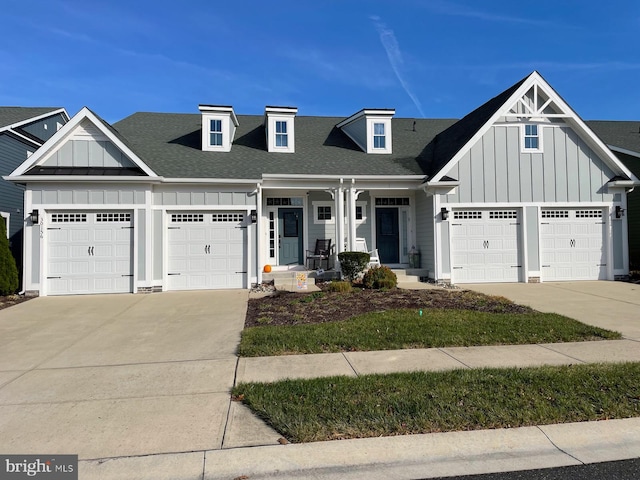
x=8, y=269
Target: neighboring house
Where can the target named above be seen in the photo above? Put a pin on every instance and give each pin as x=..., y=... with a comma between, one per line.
x=623, y=138
x=519, y=190
x=22, y=131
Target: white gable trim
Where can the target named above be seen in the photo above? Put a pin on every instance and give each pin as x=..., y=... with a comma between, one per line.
x=536, y=81
x=67, y=131
x=35, y=119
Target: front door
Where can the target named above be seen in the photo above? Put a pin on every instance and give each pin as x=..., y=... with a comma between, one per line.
x=290, y=236
x=388, y=235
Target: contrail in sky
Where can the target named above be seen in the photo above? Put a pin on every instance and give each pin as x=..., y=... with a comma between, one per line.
x=394, y=54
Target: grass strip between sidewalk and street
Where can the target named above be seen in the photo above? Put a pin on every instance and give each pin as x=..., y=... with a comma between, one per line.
x=407, y=328
x=425, y=402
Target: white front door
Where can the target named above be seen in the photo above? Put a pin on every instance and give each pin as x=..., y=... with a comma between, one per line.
x=573, y=244
x=207, y=250
x=89, y=252
x=485, y=246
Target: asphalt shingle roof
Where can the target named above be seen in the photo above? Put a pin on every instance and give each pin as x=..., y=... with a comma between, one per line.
x=171, y=145
x=620, y=134
x=12, y=115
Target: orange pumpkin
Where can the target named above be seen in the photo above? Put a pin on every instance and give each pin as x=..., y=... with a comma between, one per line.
x=267, y=269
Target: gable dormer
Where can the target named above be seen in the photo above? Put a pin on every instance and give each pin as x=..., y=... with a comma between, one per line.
x=219, y=125
x=280, y=129
x=370, y=129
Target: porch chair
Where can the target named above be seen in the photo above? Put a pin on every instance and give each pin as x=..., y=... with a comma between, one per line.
x=361, y=246
x=321, y=252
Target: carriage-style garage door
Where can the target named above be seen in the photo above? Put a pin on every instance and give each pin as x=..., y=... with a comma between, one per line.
x=485, y=246
x=207, y=250
x=573, y=244
x=89, y=252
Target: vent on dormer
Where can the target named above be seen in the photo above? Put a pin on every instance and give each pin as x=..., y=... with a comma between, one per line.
x=370, y=129
x=219, y=125
x=280, y=129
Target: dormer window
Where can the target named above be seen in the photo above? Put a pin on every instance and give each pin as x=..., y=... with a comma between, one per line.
x=282, y=137
x=280, y=129
x=215, y=133
x=379, y=138
x=219, y=125
x=370, y=129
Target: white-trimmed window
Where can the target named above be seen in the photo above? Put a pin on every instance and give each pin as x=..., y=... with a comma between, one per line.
x=323, y=213
x=215, y=132
x=282, y=136
x=379, y=136
x=531, y=138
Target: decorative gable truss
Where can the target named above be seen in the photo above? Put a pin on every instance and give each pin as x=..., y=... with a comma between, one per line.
x=85, y=146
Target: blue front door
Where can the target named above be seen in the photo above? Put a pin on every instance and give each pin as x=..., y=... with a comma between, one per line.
x=290, y=236
x=388, y=235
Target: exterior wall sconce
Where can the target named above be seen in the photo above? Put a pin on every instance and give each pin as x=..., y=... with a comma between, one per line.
x=445, y=213
x=254, y=216
x=34, y=216
x=619, y=211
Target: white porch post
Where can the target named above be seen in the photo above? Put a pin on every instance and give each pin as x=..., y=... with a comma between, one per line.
x=339, y=199
x=259, y=237
x=351, y=217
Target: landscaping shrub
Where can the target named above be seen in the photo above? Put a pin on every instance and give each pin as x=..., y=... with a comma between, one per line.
x=338, y=287
x=353, y=264
x=380, y=277
x=8, y=269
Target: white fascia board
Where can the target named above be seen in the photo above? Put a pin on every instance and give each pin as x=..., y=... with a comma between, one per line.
x=293, y=176
x=631, y=153
x=80, y=178
x=66, y=130
x=368, y=112
x=623, y=183
x=24, y=138
x=212, y=181
x=35, y=119
x=281, y=110
x=227, y=110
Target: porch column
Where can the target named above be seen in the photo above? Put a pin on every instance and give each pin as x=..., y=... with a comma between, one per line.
x=259, y=237
x=351, y=217
x=339, y=199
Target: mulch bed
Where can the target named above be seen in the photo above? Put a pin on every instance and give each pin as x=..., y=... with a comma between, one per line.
x=11, y=300
x=287, y=308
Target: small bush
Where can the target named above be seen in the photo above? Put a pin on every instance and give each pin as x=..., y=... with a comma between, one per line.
x=380, y=277
x=353, y=264
x=8, y=269
x=339, y=287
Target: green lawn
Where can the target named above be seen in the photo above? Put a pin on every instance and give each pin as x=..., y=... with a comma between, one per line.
x=399, y=329
x=424, y=402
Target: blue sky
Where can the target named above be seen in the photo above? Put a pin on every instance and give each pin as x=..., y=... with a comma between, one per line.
x=429, y=58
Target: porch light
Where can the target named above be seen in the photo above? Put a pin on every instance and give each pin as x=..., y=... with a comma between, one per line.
x=619, y=211
x=34, y=216
x=254, y=216
x=445, y=213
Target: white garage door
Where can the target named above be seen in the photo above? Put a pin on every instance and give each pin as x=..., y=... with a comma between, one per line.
x=89, y=252
x=573, y=243
x=207, y=251
x=485, y=246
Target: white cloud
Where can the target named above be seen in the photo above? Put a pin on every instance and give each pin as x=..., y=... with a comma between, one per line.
x=394, y=54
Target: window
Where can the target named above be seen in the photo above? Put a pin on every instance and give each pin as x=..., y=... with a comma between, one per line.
x=324, y=213
x=379, y=138
x=359, y=212
x=215, y=133
x=531, y=137
x=282, y=137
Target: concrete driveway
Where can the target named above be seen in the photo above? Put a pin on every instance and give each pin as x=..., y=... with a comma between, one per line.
x=611, y=305
x=118, y=375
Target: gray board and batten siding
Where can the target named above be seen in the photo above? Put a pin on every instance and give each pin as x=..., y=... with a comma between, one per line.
x=424, y=231
x=12, y=152
x=88, y=153
x=45, y=128
x=495, y=169
x=88, y=195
